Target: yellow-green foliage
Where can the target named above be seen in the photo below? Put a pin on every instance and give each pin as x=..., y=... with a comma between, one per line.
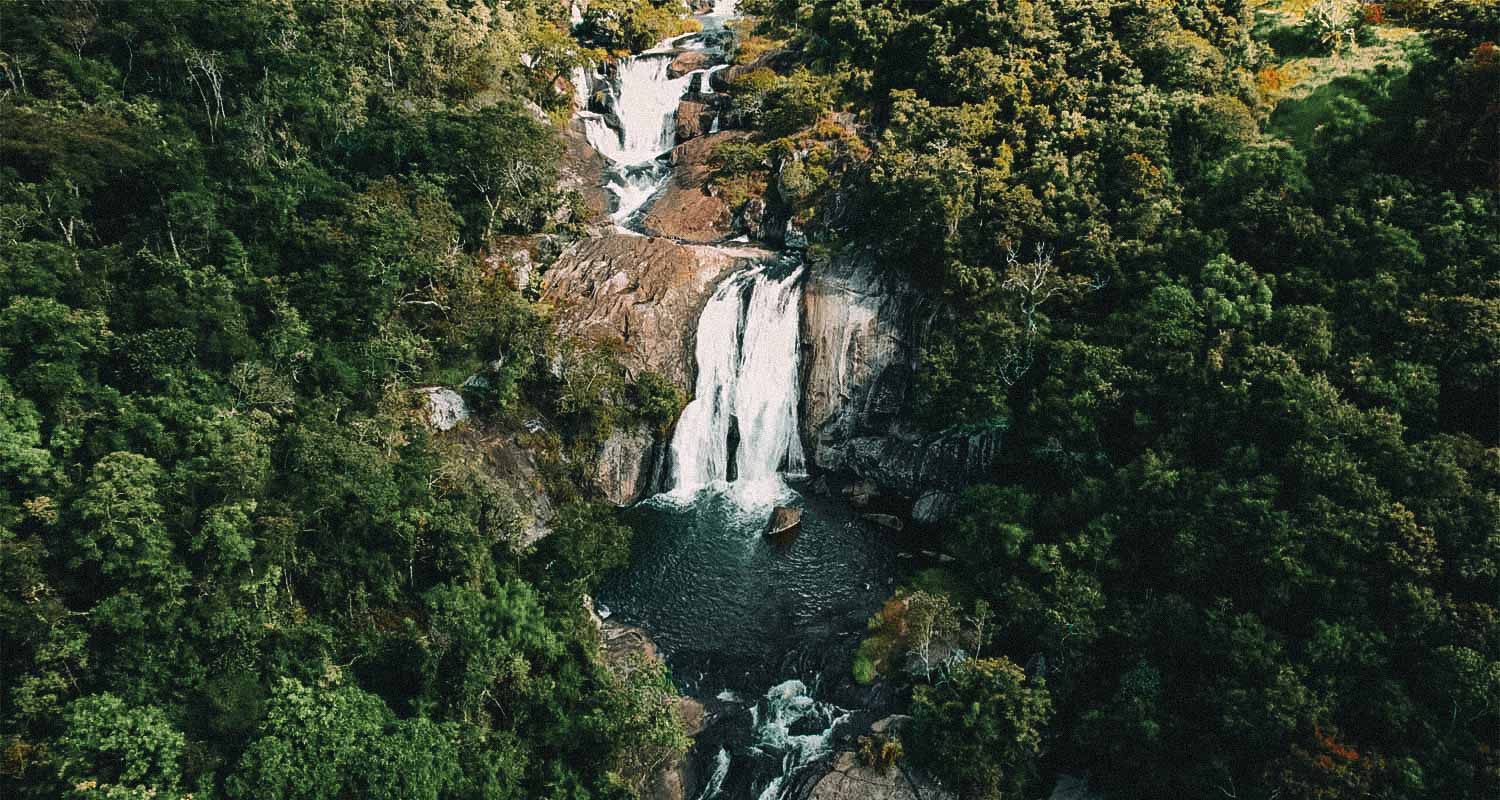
x=880, y=750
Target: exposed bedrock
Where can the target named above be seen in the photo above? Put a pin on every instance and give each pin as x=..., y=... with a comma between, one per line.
x=860, y=329
x=687, y=209
x=644, y=295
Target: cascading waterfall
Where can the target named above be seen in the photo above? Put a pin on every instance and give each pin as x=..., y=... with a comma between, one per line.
x=741, y=425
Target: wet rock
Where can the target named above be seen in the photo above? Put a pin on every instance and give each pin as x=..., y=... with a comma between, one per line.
x=644, y=294
x=933, y=507
x=783, y=520
x=688, y=61
x=888, y=521
x=858, y=339
x=860, y=493
x=623, y=468
x=686, y=209
x=581, y=169
x=444, y=407
x=861, y=326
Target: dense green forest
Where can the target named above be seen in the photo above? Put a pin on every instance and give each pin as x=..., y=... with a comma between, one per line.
x=235, y=561
x=1244, y=534
x=1239, y=325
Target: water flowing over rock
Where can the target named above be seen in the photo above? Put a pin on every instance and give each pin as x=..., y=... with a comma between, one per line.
x=741, y=425
x=643, y=293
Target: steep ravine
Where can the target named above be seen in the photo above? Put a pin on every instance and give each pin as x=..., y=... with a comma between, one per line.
x=788, y=368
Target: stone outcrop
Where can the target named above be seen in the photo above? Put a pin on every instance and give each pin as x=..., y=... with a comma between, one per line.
x=642, y=293
x=687, y=61
x=445, y=408
x=850, y=780
x=861, y=326
x=581, y=169
x=512, y=462
x=623, y=469
x=693, y=119
x=933, y=507
x=686, y=209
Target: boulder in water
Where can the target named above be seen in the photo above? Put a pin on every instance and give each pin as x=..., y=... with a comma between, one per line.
x=784, y=519
x=887, y=521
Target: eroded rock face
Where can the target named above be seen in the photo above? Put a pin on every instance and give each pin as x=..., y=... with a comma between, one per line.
x=860, y=330
x=685, y=209
x=858, y=337
x=513, y=463
x=693, y=119
x=624, y=468
x=643, y=293
x=581, y=168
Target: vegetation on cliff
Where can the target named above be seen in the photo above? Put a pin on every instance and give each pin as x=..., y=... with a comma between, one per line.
x=235, y=560
x=1226, y=273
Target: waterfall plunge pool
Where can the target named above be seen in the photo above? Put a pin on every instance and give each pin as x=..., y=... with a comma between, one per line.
x=763, y=631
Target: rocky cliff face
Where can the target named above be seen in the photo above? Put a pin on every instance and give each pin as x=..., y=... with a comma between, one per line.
x=639, y=292
x=643, y=294
x=860, y=330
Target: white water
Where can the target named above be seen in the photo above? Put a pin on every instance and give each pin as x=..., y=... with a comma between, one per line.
x=645, y=100
x=747, y=355
x=787, y=704
x=716, y=780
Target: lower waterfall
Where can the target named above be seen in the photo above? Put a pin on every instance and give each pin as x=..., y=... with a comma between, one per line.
x=741, y=425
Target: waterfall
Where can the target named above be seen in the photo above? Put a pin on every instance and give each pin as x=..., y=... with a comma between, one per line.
x=645, y=100
x=741, y=425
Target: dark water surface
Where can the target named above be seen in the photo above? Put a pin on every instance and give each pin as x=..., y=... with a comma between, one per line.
x=763, y=631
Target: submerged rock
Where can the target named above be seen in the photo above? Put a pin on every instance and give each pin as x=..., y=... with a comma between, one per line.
x=888, y=521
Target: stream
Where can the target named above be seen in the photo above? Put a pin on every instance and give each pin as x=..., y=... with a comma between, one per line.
x=761, y=630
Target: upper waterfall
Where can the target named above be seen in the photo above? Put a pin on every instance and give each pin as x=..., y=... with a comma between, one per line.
x=741, y=425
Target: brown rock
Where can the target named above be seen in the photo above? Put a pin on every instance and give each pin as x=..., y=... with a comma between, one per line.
x=582, y=168
x=783, y=520
x=685, y=209
x=688, y=61
x=643, y=293
x=693, y=119
x=850, y=780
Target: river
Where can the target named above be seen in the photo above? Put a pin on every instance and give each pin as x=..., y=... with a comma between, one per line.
x=761, y=631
